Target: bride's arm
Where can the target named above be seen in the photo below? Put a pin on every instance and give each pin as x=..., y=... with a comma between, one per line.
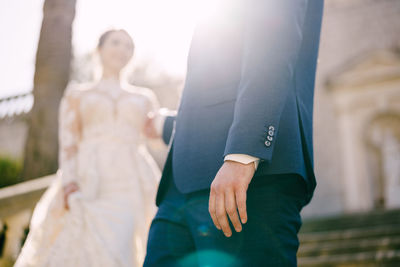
x=159, y=123
x=69, y=135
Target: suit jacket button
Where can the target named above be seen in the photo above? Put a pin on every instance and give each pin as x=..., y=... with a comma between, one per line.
x=271, y=128
x=267, y=143
x=269, y=138
x=271, y=133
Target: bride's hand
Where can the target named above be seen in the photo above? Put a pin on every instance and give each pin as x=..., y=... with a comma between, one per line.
x=149, y=128
x=69, y=189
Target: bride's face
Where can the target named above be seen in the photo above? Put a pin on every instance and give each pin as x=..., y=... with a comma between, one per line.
x=116, y=51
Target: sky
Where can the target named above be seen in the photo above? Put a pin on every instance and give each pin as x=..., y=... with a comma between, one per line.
x=161, y=29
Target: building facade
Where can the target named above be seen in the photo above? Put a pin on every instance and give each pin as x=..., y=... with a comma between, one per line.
x=357, y=108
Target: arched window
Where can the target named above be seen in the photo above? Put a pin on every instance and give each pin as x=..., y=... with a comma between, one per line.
x=382, y=135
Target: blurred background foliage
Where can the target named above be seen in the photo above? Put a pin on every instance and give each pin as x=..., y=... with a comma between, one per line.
x=10, y=171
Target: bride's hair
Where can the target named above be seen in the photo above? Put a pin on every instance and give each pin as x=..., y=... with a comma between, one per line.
x=97, y=65
x=104, y=36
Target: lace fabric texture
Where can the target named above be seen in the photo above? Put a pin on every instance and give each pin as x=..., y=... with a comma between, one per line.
x=103, y=150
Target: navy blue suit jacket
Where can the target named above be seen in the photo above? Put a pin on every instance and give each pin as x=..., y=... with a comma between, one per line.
x=249, y=90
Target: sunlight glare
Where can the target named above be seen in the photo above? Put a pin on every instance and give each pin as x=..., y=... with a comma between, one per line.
x=162, y=29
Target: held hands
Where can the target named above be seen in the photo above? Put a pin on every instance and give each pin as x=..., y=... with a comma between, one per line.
x=69, y=189
x=228, y=195
x=149, y=128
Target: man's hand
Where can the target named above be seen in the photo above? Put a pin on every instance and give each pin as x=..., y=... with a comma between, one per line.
x=68, y=190
x=228, y=195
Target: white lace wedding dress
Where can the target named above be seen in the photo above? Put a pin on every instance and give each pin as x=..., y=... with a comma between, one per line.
x=103, y=149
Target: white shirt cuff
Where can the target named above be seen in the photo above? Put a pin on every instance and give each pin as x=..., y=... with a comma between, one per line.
x=243, y=158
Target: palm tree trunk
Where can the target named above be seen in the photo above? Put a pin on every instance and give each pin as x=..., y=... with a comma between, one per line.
x=52, y=71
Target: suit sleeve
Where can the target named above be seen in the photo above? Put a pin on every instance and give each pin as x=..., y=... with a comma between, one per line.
x=272, y=40
x=168, y=128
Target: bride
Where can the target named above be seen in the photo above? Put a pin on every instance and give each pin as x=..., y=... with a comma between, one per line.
x=98, y=209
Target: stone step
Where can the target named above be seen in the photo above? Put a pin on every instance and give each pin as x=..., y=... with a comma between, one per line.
x=357, y=220
x=347, y=234
x=355, y=240
x=349, y=246
x=389, y=258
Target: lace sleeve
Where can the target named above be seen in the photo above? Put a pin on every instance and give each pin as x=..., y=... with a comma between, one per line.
x=152, y=102
x=69, y=135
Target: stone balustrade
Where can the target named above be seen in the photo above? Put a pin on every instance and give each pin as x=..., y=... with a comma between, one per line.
x=16, y=205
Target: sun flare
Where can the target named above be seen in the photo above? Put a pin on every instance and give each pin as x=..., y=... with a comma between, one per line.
x=162, y=29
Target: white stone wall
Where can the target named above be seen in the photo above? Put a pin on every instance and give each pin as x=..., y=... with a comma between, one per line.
x=352, y=29
x=12, y=137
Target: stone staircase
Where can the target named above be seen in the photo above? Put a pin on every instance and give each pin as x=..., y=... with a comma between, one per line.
x=356, y=240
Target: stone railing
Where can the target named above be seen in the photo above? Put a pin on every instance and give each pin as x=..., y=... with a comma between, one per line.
x=16, y=205
x=15, y=105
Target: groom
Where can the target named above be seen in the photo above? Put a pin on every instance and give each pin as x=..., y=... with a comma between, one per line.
x=240, y=164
